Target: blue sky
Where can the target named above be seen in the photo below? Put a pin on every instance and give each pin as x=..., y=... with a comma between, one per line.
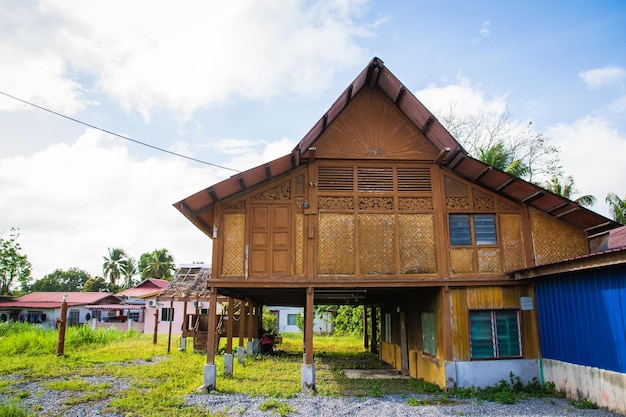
x=240, y=83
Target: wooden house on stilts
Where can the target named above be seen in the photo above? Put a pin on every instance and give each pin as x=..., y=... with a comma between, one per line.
x=379, y=205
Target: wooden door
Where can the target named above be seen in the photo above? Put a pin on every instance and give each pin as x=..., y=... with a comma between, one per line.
x=270, y=249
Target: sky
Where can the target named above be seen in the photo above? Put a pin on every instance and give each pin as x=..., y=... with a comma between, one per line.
x=236, y=84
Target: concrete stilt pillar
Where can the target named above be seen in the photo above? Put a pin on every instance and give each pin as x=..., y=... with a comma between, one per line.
x=241, y=355
x=210, y=377
x=308, y=378
x=228, y=364
x=250, y=348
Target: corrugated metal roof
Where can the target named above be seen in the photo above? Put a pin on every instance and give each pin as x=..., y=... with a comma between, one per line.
x=198, y=208
x=72, y=297
x=115, y=307
x=147, y=286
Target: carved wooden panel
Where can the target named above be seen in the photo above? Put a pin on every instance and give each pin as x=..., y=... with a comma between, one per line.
x=279, y=192
x=377, y=246
x=375, y=203
x=240, y=205
x=554, y=240
x=336, y=251
x=488, y=260
x=372, y=127
x=299, y=244
x=418, y=253
x=461, y=261
x=457, y=203
x=335, y=203
x=512, y=242
x=233, y=251
x=415, y=204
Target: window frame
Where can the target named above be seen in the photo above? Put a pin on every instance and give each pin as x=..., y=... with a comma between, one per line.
x=290, y=318
x=473, y=243
x=494, y=334
x=167, y=314
x=388, y=336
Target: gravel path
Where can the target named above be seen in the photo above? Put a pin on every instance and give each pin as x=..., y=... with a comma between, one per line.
x=44, y=402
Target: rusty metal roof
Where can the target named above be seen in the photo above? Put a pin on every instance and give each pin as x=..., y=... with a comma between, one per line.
x=198, y=208
x=147, y=286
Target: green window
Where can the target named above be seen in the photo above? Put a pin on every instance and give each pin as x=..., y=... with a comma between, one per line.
x=428, y=334
x=469, y=229
x=291, y=319
x=387, y=328
x=495, y=334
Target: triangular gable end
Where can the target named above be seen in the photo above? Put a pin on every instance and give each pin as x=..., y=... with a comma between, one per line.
x=371, y=127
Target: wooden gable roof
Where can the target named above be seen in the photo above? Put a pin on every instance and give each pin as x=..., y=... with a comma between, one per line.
x=428, y=142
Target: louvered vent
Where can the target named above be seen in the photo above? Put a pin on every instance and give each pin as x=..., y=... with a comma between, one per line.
x=414, y=179
x=335, y=179
x=375, y=179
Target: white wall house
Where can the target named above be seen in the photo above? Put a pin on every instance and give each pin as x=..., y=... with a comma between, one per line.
x=287, y=320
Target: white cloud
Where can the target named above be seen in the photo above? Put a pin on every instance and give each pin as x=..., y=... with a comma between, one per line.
x=147, y=54
x=603, y=77
x=592, y=151
x=73, y=201
x=484, y=32
x=462, y=98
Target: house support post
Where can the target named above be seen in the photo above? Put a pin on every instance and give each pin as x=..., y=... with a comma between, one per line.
x=374, y=321
x=250, y=346
x=156, y=325
x=183, y=328
x=228, y=356
x=241, y=354
x=62, y=323
x=308, y=368
x=365, y=334
x=169, y=331
x=210, y=376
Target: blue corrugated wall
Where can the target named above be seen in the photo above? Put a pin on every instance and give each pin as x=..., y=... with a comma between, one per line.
x=582, y=317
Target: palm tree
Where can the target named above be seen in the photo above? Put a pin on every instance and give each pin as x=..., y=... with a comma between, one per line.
x=504, y=159
x=617, y=207
x=157, y=264
x=128, y=267
x=565, y=188
x=112, y=266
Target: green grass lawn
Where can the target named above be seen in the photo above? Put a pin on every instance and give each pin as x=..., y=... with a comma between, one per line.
x=138, y=378
x=157, y=382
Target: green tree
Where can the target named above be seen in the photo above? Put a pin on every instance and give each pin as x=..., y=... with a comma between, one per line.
x=617, y=207
x=14, y=266
x=565, y=188
x=112, y=266
x=98, y=284
x=484, y=130
x=503, y=158
x=157, y=264
x=128, y=267
x=346, y=319
x=72, y=280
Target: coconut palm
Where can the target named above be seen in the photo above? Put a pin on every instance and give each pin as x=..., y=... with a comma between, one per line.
x=617, y=207
x=112, y=266
x=128, y=267
x=157, y=264
x=565, y=188
x=502, y=158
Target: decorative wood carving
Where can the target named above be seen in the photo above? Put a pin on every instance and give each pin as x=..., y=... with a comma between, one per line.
x=373, y=128
x=234, y=232
x=280, y=192
x=375, y=203
x=415, y=204
x=457, y=203
x=377, y=247
x=335, y=203
x=418, y=254
x=336, y=252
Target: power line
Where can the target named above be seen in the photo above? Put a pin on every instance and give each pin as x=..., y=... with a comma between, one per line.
x=117, y=134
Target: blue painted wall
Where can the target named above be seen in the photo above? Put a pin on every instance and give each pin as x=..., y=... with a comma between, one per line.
x=582, y=317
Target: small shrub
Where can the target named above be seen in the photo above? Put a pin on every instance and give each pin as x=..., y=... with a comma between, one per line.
x=13, y=409
x=583, y=403
x=279, y=407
